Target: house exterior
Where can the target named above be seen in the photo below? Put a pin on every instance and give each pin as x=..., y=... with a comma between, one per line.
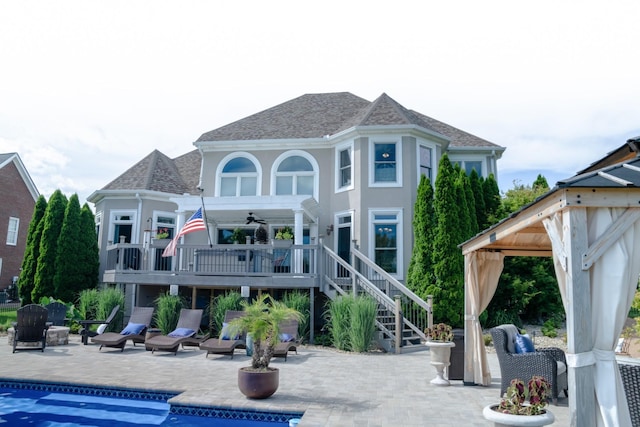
x=340, y=170
x=18, y=195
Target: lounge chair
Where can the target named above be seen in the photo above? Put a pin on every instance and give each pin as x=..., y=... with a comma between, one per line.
x=135, y=330
x=56, y=313
x=288, y=339
x=31, y=326
x=85, y=324
x=186, y=333
x=225, y=344
x=549, y=362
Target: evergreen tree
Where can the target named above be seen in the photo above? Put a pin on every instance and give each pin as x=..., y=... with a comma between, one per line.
x=540, y=183
x=67, y=277
x=53, y=219
x=448, y=263
x=475, y=183
x=467, y=206
x=31, y=252
x=89, y=256
x=492, y=200
x=420, y=273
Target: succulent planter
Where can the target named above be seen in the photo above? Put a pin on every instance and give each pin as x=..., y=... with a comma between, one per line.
x=505, y=420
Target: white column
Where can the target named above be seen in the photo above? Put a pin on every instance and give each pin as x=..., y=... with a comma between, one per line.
x=298, y=239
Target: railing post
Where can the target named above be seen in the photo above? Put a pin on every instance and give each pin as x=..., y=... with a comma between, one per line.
x=398, y=315
x=430, y=312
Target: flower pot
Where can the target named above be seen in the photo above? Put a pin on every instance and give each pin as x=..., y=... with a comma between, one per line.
x=282, y=243
x=440, y=359
x=258, y=384
x=505, y=420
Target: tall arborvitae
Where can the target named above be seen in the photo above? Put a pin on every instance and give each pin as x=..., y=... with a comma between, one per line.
x=67, y=277
x=420, y=273
x=466, y=206
x=475, y=185
x=448, y=263
x=89, y=257
x=492, y=200
x=45, y=270
x=31, y=252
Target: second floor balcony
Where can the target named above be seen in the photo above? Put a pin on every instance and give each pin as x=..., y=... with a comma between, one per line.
x=270, y=265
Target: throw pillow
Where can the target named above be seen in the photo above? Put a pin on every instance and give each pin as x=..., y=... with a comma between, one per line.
x=181, y=333
x=101, y=328
x=286, y=338
x=225, y=334
x=133, y=329
x=524, y=344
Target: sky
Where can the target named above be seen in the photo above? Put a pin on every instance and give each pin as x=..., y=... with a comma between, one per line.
x=87, y=89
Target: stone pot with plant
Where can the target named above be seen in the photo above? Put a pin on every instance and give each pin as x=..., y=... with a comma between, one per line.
x=261, y=320
x=522, y=404
x=440, y=342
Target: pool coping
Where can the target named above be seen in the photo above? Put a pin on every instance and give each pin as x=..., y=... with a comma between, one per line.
x=207, y=411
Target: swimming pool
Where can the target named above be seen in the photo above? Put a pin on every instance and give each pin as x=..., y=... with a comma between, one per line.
x=68, y=405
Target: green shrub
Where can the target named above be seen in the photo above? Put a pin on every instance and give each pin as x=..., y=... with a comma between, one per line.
x=168, y=312
x=363, y=323
x=108, y=298
x=219, y=305
x=488, y=339
x=300, y=302
x=549, y=329
x=338, y=320
x=88, y=304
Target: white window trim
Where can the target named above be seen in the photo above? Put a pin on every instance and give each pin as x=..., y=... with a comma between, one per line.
x=400, y=237
x=351, y=213
x=372, y=157
x=253, y=159
x=157, y=224
x=338, y=149
x=309, y=157
x=134, y=223
x=16, y=221
x=472, y=158
x=434, y=164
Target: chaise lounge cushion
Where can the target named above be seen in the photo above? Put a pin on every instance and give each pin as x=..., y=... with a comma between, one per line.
x=133, y=329
x=287, y=338
x=225, y=334
x=181, y=332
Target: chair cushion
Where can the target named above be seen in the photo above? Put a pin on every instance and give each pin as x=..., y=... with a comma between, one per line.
x=225, y=334
x=133, y=329
x=101, y=328
x=181, y=332
x=524, y=344
x=562, y=368
x=286, y=338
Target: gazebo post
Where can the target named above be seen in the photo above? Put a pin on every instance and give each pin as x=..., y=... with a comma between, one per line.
x=582, y=405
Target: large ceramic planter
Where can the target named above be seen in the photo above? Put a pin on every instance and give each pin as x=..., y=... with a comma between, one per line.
x=505, y=420
x=258, y=384
x=440, y=359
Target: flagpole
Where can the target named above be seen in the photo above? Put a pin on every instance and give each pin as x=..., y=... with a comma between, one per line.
x=204, y=216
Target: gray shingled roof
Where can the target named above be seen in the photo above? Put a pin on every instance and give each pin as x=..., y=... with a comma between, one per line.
x=317, y=115
x=156, y=172
x=621, y=175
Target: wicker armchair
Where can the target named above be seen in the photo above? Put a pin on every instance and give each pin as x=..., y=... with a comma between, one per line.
x=630, y=374
x=543, y=362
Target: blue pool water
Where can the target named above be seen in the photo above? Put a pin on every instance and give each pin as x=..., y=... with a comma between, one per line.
x=42, y=405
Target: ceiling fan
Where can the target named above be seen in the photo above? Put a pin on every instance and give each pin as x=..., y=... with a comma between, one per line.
x=252, y=218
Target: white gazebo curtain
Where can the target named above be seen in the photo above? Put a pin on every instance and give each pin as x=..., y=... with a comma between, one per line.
x=482, y=273
x=614, y=259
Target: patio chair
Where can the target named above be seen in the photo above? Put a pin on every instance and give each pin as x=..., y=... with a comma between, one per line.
x=57, y=312
x=288, y=339
x=550, y=362
x=225, y=344
x=185, y=333
x=86, y=332
x=135, y=330
x=31, y=327
x=630, y=374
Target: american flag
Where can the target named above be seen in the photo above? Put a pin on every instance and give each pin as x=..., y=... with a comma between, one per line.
x=195, y=223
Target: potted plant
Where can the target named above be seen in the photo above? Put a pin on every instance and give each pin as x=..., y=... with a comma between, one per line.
x=238, y=235
x=261, y=234
x=283, y=237
x=162, y=233
x=522, y=406
x=440, y=342
x=261, y=320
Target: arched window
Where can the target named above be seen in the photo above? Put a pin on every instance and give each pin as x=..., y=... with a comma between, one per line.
x=238, y=177
x=296, y=175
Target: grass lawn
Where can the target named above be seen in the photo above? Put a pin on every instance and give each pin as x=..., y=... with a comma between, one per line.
x=6, y=317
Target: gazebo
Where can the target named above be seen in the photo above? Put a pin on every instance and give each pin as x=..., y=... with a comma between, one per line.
x=590, y=225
